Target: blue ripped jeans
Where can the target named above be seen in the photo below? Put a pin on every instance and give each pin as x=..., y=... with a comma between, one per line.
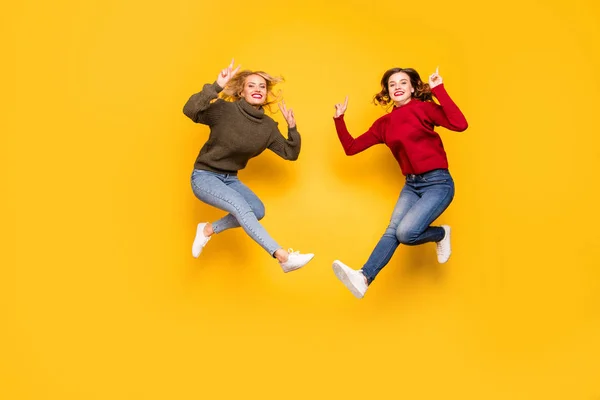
x=422, y=200
x=228, y=193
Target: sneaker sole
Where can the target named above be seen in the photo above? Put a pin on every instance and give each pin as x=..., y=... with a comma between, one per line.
x=450, y=246
x=296, y=268
x=443, y=261
x=197, y=244
x=339, y=272
x=194, y=252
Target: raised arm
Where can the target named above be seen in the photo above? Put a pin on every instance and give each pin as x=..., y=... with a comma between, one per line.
x=199, y=106
x=447, y=113
x=355, y=145
x=288, y=149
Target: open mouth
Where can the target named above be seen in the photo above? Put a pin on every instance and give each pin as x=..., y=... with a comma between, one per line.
x=257, y=96
x=398, y=93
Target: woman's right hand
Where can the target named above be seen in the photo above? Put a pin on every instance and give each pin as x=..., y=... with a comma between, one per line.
x=340, y=108
x=226, y=74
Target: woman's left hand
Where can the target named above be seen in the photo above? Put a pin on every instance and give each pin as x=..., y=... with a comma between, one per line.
x=287, y=114
x=435, y=79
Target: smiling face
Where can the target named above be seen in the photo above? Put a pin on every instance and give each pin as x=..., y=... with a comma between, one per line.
x=255, y=90
x=400, y=88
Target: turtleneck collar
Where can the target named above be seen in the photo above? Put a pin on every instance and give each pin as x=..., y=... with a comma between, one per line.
x=250, y=112
x=412, y=102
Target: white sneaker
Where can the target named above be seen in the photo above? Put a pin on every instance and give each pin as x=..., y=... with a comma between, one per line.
x=200, y=240
x=443, y=246
x=354, y=280
x=296, y=260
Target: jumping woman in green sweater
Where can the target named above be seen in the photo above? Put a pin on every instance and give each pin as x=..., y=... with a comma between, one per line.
x=239, y=130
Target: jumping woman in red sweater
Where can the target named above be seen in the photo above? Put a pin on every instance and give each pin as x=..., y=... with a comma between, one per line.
x=408, y=130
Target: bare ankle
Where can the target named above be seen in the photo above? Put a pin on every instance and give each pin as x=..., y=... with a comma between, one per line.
x=281, y=255
x=208, y=230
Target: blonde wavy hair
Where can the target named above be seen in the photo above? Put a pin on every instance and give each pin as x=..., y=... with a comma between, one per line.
x=232, y=91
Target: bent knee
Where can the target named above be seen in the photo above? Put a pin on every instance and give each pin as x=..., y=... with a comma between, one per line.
x=259, y=211
x=407, y=236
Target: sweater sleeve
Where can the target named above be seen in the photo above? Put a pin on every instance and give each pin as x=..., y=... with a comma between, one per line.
x=200, y=108
x=288, y=149
x=446, y=114
x=355, y=145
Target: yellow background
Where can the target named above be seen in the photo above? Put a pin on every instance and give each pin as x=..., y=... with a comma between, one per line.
x=101, y=298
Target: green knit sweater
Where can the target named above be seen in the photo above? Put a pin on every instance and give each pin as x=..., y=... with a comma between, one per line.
x=238, y=132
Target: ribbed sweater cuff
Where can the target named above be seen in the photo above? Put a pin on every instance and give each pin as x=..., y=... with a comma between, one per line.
x=217, y=87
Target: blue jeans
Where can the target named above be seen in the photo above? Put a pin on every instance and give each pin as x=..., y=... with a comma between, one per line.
x=422, y=199
x=245, y=209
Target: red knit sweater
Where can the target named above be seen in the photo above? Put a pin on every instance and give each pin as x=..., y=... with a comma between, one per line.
x=408, y=132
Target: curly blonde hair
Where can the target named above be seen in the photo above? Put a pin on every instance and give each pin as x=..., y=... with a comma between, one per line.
x=235, y=87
